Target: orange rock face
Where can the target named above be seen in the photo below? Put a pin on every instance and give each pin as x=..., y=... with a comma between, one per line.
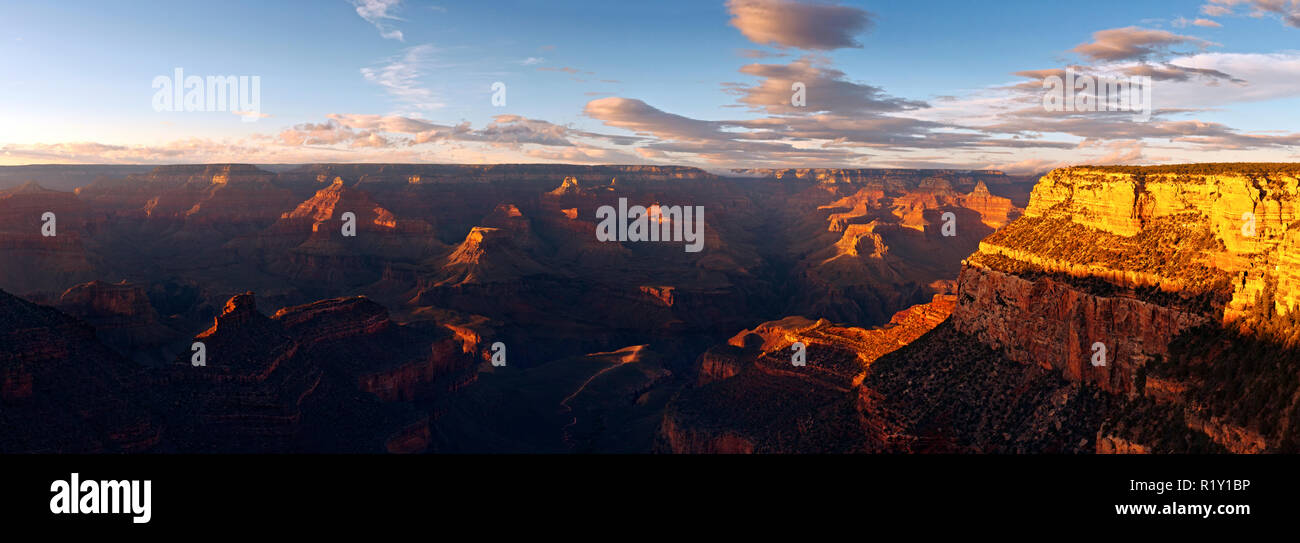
x=1144, y=283
x=752, y=397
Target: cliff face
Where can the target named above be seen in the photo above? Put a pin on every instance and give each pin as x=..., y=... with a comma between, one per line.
x=198, y=196
x=308, y=243
x=34, y=262
x=1130, y=310
x=61, y=391
x=356, y=337
x=334, y=375
x=1138, y=282
x=751, y=397
x=894, y=240
x=1249, y=217
x=1047, y=322
x=121, y=314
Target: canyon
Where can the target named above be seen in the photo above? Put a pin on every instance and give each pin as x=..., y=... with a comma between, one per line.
x=974, y=338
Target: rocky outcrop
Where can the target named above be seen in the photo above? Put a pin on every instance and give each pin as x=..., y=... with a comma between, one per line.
x=897, y=234
x=488, y=255
x=61, y=391
x=309, y=243
x=120, y=312
x=753, y=397
x=395, y=363
x=334, y=375
x=1124, y=279
x=570, y=186
x=995, y=211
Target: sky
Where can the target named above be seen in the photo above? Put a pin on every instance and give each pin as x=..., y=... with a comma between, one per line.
x=718, y=84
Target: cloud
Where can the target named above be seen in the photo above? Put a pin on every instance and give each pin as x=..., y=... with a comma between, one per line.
x=642, y=118
x=1183, y=22
x=1172, y=72
x=786, y=23
x=505, y=131
x=326, y=133
x=565, y=69
x=1188, y=86
x=370, y=139
x=826, y=90
x=1257, y=77
x=709, y=141
x=191, y=150
x=357, y=138
x=846, y=122
x=824, y=138
x=1118, y=152
x=1133, y=43
x=383, y=123
x=400, y=77
x=1214, y=10
x=1286, y=10
x=1163, y=71
x=250, y=115
x=377, y=12
x=758, y=53
x=516, y=130
x=1109, y=126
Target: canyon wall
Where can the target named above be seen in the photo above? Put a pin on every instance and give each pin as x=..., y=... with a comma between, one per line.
x=1114, y=273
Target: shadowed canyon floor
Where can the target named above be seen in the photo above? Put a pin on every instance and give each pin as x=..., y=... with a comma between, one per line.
x=941, y=311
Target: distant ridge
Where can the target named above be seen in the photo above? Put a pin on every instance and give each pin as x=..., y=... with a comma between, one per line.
x=1203, y=168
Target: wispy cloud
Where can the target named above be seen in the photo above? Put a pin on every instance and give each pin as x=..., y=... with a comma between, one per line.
x=1287, y=10
x=1133, y=43
x=400, y=77
x=379, y=13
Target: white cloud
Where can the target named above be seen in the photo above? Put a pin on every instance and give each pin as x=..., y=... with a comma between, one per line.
x=378, y=13
x=400, y=77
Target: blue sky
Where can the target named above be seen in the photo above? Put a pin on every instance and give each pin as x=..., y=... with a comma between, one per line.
x=698, y=82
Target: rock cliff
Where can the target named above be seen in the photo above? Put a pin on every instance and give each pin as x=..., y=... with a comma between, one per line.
x=61, y=391
x=1136, y=281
